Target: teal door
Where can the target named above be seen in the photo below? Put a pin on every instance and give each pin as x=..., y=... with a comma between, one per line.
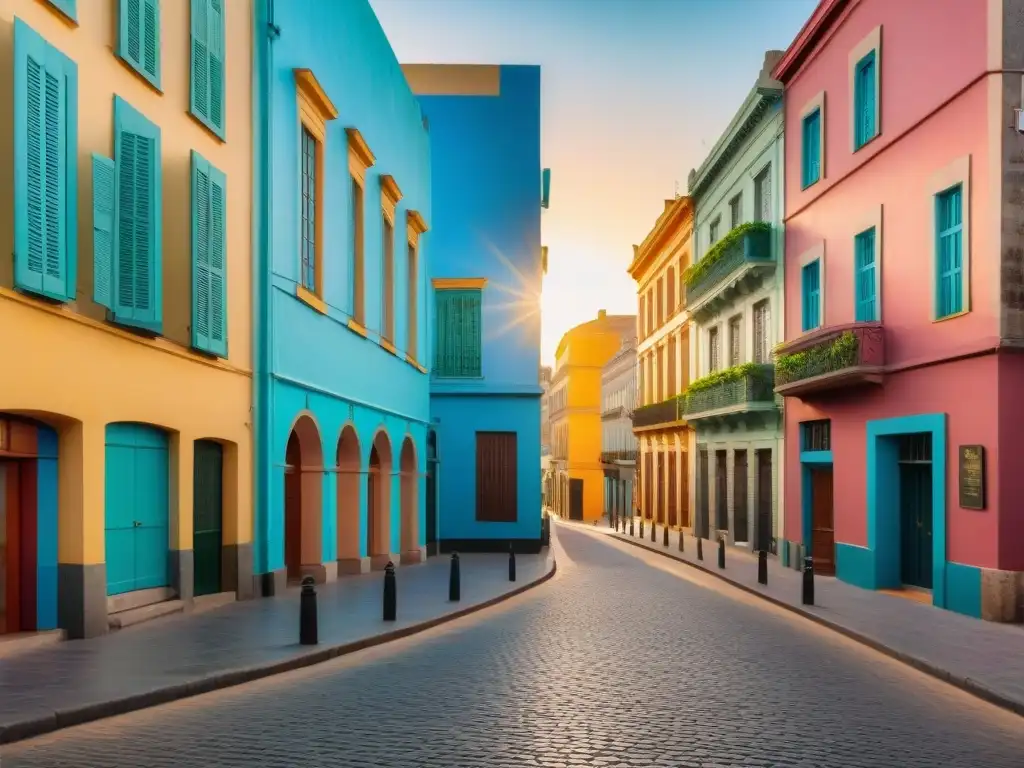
x=137, y=511
x=916, y=511
x=206, y=509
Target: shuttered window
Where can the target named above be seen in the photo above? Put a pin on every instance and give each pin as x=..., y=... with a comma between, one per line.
x=714, y=351
x=762, y=319
x=950, y=257
x=209, y=266
x=735, y=327
x=864, y=276
x=457, y=353
x=134, y=272
x=810, y=285
x=45, y=167
x=865, y=101
x=138, y=37
x=763, y=195
x=496, y=477
x=207, y=64
x=67, y=7
x=810, y=161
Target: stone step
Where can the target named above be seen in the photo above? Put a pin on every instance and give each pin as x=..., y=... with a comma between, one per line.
x=19, y=642
x=134, y=616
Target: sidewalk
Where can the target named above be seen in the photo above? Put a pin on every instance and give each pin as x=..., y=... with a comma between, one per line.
x=187, y=654
x=981, y=657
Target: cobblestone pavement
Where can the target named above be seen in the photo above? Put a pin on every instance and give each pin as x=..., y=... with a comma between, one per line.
x=625, y=658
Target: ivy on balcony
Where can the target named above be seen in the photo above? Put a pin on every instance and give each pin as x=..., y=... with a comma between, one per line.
x=732, y=386
x=827, y=357
x=697, y=271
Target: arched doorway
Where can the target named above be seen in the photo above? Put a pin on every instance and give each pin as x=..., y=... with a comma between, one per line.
x=350, y=557
x=303, y=501
x=411, y=551
x=378, y=503
x=431, y=493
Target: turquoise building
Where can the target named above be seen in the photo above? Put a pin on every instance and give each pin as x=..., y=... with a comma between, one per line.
x=341, y=205
x=486, y=266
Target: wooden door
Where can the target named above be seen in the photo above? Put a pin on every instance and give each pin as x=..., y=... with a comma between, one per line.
x=575, y=498
x=823, y=537
x=207, y=516
x=648, y=481
x=915, y=467
x=662, y=495
x=765, y=531
x=673, y=514
x=9, y=591
x=703, y=482
x=721, y=491
x=293, y=508
x=497, y=482
x=741, y=522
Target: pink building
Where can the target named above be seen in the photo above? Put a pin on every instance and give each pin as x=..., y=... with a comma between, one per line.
x=902, y=370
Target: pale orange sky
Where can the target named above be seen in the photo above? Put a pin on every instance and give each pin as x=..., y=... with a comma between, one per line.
x=635, y=93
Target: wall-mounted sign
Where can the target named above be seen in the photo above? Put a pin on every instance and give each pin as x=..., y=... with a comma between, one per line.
x=972, y=476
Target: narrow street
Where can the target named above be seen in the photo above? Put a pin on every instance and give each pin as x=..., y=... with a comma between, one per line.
x=623, y=659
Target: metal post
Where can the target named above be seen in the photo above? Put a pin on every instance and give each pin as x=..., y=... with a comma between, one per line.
x=641, y=526
x=390, y=593
x=654, y=529
x=808, y=582
x=682, y=540
x=307, y=613
x=721, y=551
x=511, y=563
x=455, y=580
x=632, y=531
x=762, y=567
x=664, y=538
x=700, y=548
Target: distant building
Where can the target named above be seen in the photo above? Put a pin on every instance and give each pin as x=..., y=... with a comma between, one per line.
x=577, y=478
x=618, y=443
x=545, y=424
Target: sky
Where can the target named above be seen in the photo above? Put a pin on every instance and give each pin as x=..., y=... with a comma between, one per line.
x=635, y=93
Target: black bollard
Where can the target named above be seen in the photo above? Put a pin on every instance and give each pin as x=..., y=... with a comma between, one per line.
x=664, y=538
x=721, y=551
x=307, y=613
x=682, y=540
x=762, y=567
x=632, y=531
x=455, y=580
x=700, y=548
x=511, y=563
x=654, y=530
x=641, y=527
x=390, y=593
x=808, y=582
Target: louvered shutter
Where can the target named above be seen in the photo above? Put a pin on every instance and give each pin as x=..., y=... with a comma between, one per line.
x=104, y=181
x=207, y=64
x=139, y=37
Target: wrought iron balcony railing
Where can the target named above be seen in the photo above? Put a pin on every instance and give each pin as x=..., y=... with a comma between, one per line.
x=831, y=358
x=664, y=412
x=745, y=387
x=747, y=244
x=612, y=457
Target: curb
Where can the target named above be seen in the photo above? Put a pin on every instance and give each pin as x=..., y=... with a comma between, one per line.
x=91, y=712
x=965, y=684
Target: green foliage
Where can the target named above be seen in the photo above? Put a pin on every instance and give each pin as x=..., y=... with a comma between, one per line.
x=698, y=270
x=715, y=378
x=824, y=358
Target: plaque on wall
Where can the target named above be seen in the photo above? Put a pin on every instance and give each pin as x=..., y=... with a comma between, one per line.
x=972, y=476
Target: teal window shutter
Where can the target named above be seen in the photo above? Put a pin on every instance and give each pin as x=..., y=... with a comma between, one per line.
x=865, y=101
x=811, y=149
x=104, y=190
x=457, y=352
x=209, y=272
x=138, y=277
x=865, y=266
x=949, y=220
x=67, y=7
x=810, y=279
x=45, y=167
x=138, y=37
x=207, y=64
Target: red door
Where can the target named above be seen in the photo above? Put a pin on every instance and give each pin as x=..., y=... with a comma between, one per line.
x=823, y=536
x=10, y=555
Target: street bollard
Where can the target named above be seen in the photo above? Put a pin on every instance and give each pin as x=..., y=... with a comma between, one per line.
x=307, y=613
x=721, y=551
x=611, y=521
x=654, y=531
x=455, y=580
x=664, y=538
x=762, y=567
x=700, y=548
x=682, y=540
x=641, y=527
x=390, y=593
x=808, y=582
x=632, y=531
x=511, y=563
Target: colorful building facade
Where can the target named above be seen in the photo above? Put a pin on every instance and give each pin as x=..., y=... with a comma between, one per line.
x=900, y=367
x=576, y=476
x=125, y=456
x=618, y=443
x=665, y=442
x=483, y=304
x=734, y=297
x=341, y=197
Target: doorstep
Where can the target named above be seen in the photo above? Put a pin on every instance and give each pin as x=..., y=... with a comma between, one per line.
x=133, y=616
x=19, y=642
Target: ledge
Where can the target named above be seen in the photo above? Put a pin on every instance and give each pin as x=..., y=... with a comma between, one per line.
x=314, y=93
x=358, y=148
x=387, y=345
x=389, y=187
x=306, y=296
x=355, y=327
x=415, y=222
x=444, y=283
x=412, y=361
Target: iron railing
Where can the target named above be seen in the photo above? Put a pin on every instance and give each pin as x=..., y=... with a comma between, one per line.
x=757, y=386
x=656, y=413
x=831, y=350
x=754, y=246
x=610, y=457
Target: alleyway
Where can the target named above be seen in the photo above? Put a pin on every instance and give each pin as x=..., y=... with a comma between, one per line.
x=625, y=658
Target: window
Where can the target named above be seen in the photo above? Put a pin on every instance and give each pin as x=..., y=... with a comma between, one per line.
x=816, y=435
x=659, y=373
x=66, y=7
x=209, y=267
x=128, y=276
x=650, y=311
x=949, y=244
x=641, y=331
x=138, y=37
x=206, y=66
x=763, y=195
x=415, y=226
x=308, y=274
x=713, y=231
x=735, y=329
x=810, y=163
x=457, y=351
x=671, y=367
x=390, y=194
x=865, y=101
x=661, y=302
x=356, y=228
x=497, y=483
x=670, y=287
x=736, y=211
x=45, y=167
x=810, y=286
x=865, y=276
x=714, y=351
x=762, y=329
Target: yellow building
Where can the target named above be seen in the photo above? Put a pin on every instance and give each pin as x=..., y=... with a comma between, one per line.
x=125, y=457
x=663, y=362
x=577, y=474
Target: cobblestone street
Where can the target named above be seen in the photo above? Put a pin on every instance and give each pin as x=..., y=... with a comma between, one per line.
x=623, y=659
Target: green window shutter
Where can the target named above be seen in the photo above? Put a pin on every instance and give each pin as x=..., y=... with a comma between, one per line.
x=471, y=334
x=442, y=346
x=209, y=284
x=138, y=39
x=207, y=64
x=67, y=7
x=45, y=168
x=104, y=190
x=458, y=323
x=138, y=284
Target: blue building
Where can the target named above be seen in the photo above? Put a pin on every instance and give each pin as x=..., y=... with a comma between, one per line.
x=485, y=270
x=341, y=206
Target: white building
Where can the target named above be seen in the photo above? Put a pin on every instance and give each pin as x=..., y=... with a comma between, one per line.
x=618, y=443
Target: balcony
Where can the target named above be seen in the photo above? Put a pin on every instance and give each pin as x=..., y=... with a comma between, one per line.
x=618, y=457
x=829, y=359
x=735, y=393
x=610, y=414
x=664, y=412
x=734, y=266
